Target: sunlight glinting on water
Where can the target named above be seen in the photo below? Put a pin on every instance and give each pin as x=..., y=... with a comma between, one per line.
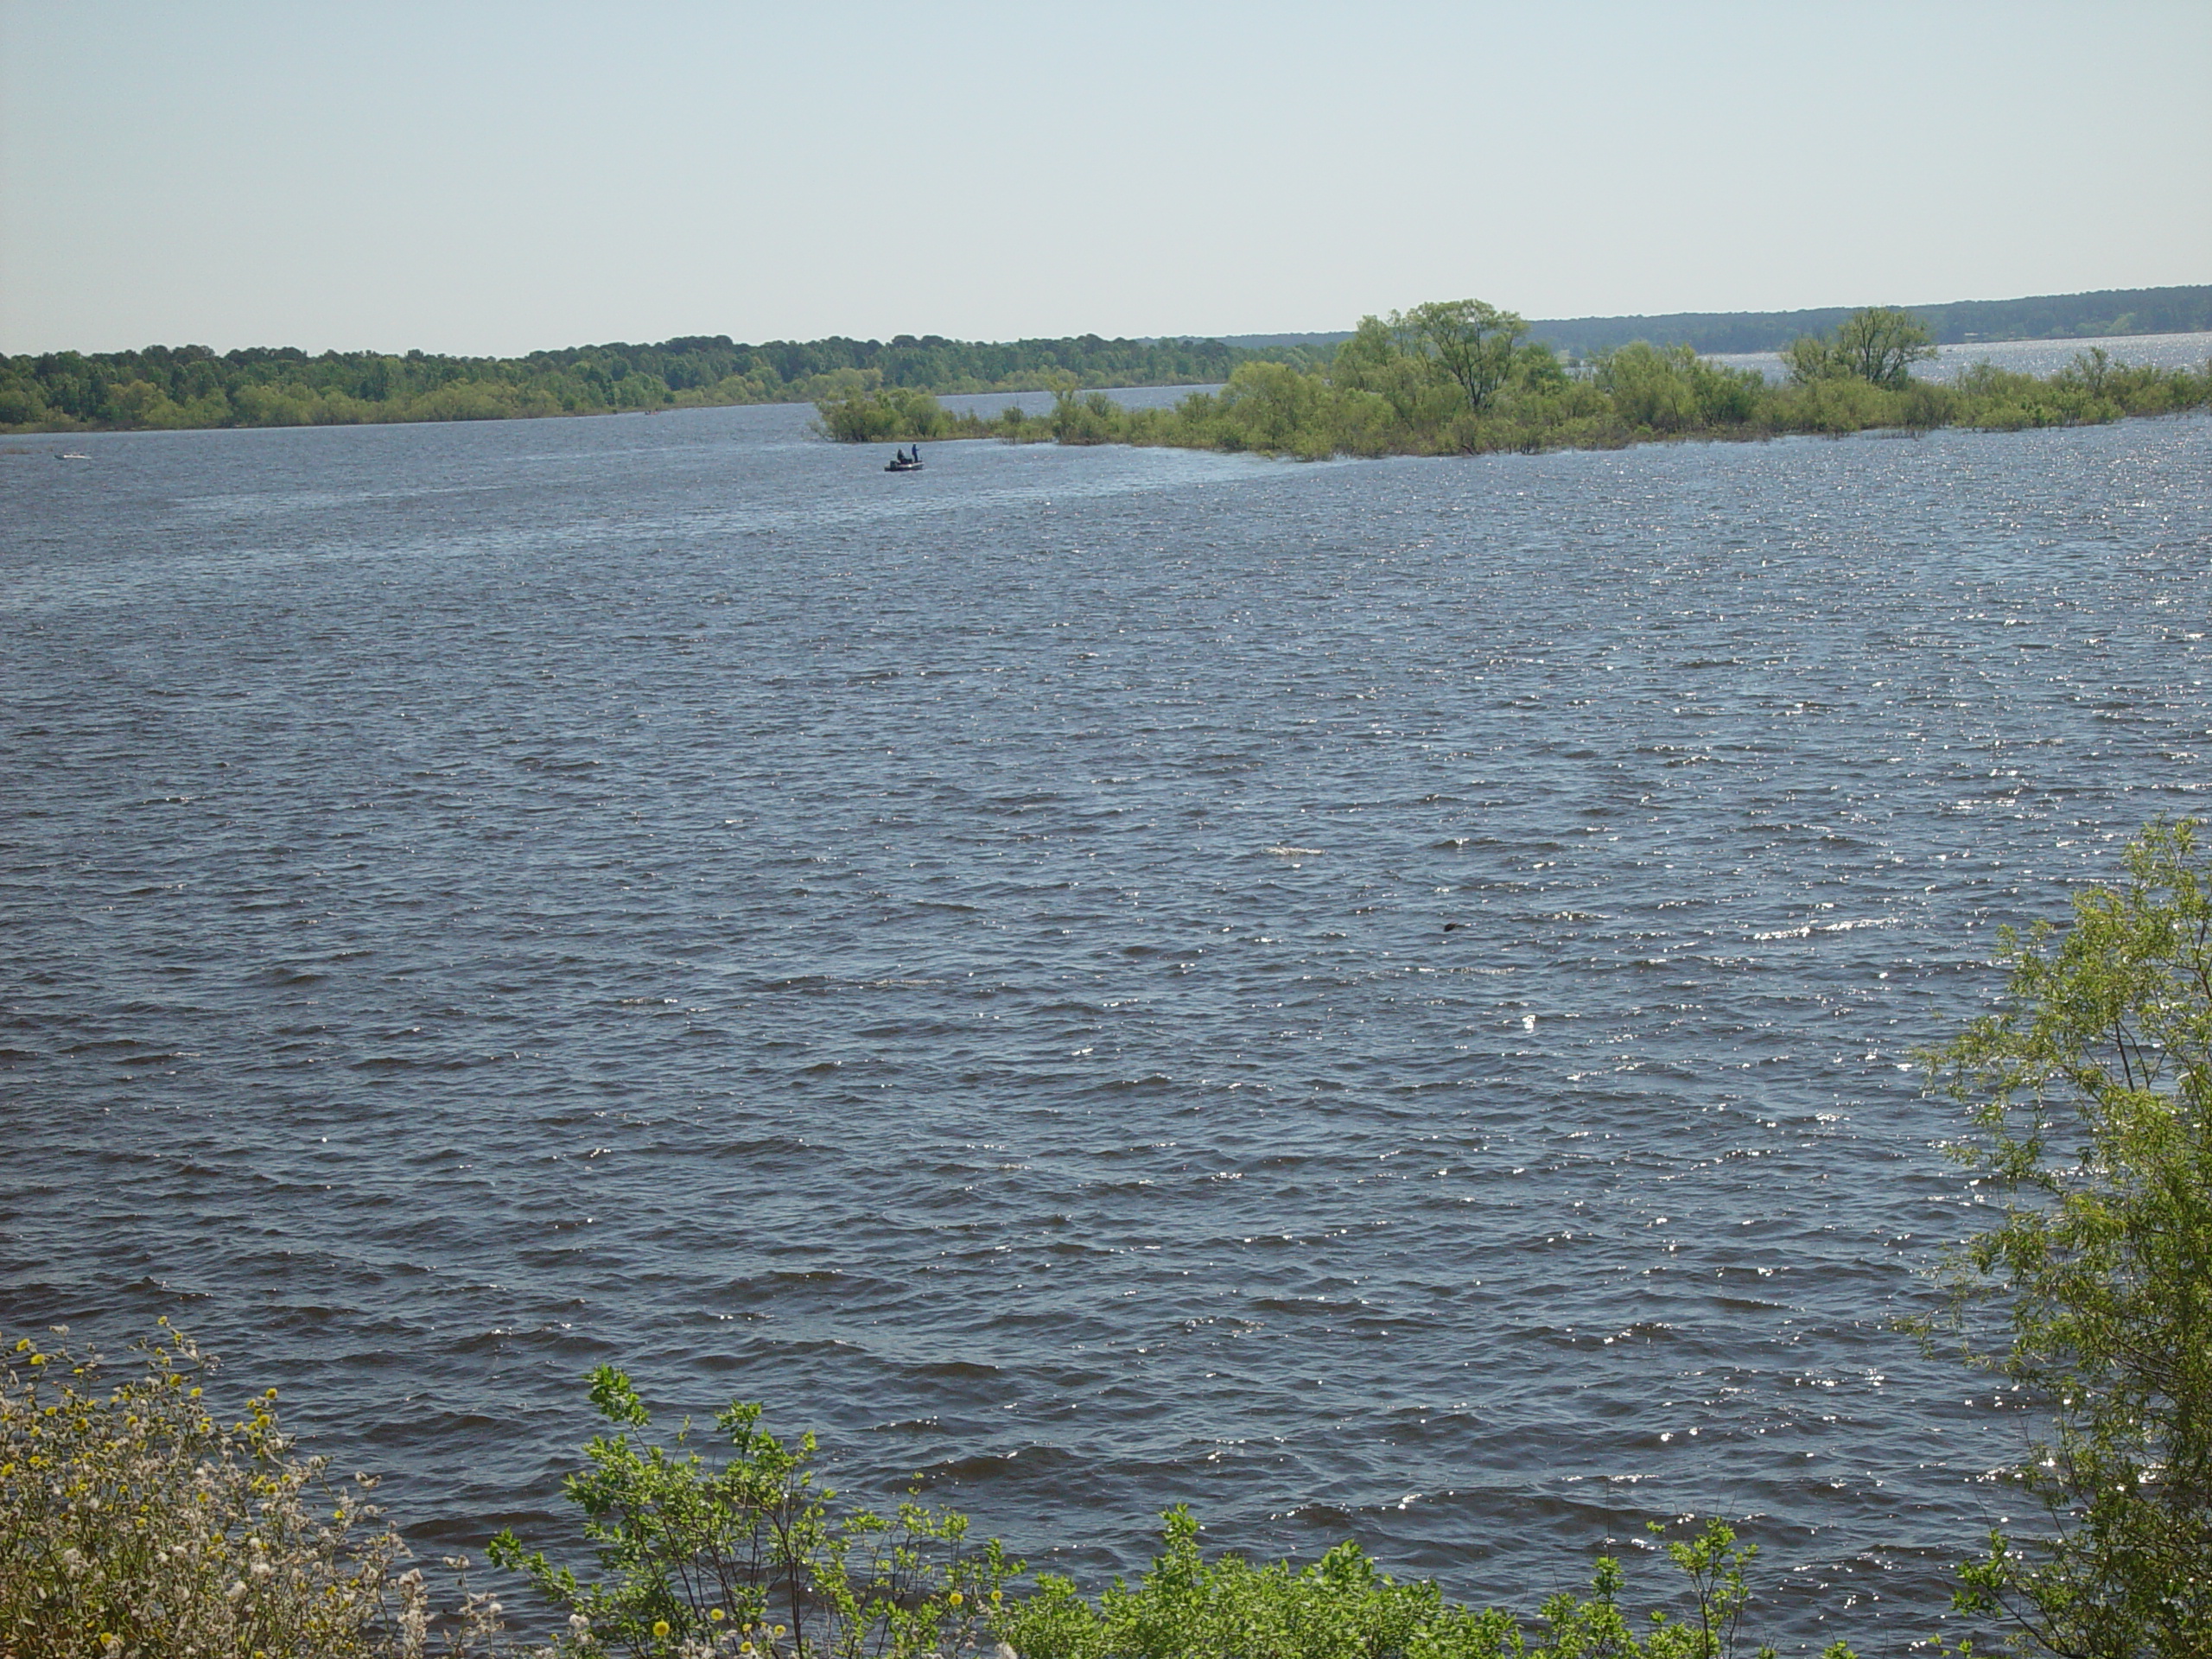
x=1372, y=999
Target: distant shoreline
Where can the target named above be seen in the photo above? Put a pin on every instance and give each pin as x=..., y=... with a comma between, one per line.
x=2097, y=314
x=193, y=387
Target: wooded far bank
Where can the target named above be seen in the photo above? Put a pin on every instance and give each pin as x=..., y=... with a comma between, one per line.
x=2184, y=310
x=168, y=387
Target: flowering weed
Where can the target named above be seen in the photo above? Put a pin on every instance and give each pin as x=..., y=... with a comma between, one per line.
x=136, y=1524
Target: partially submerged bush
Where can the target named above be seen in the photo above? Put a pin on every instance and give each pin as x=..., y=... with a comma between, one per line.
x=886, y=414
x=135, y=1524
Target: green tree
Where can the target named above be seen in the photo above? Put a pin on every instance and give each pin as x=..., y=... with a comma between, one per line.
x=1274, y=406
x=883, y=414
x=1808, y=358
x=1651, y=385
x=1473, y=342
x=2091, y=1093
x=1374, y=360
x=1078, y=417
x=1880, y=344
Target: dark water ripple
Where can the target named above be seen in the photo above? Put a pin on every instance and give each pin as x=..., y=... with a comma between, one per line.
x=1367, y=998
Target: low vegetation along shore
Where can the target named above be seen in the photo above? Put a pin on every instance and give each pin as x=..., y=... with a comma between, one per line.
x=1462, y=377
x=137, y=1523
x=165, y=388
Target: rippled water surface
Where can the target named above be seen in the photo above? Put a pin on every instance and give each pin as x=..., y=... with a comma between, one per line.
x=1371, y=998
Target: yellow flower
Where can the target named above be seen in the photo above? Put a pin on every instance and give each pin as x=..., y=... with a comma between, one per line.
x=997, y=1596
x=954, y=1598
x=660, y=1630
x=716, y=1615
x=779, y=1630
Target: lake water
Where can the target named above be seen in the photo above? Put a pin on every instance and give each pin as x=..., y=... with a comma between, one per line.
x=1373, y=998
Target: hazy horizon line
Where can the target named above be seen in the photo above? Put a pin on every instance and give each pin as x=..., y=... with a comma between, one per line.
x=1249, y=335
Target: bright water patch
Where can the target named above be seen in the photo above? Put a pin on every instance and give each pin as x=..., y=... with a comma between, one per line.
x=1371, y=998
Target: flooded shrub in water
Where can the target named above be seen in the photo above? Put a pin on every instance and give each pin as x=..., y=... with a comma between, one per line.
x=1271, y=405
x=1084, y=417
x=891, y=414
x=135, y=1524
x=1650, y=387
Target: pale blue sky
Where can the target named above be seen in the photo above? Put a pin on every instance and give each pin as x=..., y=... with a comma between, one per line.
x=493, y=177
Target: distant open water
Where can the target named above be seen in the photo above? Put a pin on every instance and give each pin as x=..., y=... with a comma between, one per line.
x=1373, y=998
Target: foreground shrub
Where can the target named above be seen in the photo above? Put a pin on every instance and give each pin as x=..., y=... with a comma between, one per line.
x=134, y=1522
x=750, y=1558
x=1188, y=1607
x=2091, y=1092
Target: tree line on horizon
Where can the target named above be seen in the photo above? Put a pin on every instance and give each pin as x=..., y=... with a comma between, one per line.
x=2177, y=310
x=1462, y=377
x=189, y=386
x=2116, y=311
x=163, y=387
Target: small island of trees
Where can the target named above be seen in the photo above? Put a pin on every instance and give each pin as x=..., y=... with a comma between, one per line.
x=1462, y=377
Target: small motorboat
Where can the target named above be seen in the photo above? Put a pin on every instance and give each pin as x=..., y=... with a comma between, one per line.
x=902, y=461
